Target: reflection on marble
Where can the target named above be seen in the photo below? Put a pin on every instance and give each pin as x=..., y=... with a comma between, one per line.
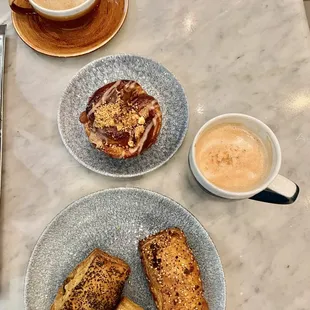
x=231, y=56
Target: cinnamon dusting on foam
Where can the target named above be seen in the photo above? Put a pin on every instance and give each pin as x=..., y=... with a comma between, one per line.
x=59, y=5
x=232, y=157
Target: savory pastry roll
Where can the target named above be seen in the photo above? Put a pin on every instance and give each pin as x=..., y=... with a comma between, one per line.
x=121, y=119
x=95, y=284
x=127, y=304
x=172, y=271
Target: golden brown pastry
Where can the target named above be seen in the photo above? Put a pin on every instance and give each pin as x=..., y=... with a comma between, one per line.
x=127, y=304
x=121, y=119
x=95, y=284
x=172, y=271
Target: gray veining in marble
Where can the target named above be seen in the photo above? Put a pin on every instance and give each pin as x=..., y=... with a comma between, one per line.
x=230, y=56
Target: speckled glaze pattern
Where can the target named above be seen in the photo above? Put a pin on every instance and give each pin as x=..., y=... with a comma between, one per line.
x=156, y=81
x=115, y=220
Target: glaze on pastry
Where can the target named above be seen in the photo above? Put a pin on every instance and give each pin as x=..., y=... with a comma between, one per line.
x=121, y=119
x=172, y=271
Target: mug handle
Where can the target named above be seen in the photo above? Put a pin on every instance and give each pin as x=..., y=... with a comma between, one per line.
x=22, y=10
x=280, y=191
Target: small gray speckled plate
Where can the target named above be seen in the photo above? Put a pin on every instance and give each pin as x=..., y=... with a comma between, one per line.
x=156, y=81
x=115, y=220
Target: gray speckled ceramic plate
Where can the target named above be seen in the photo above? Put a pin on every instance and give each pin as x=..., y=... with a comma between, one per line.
x=115, y=220
x=156, y=81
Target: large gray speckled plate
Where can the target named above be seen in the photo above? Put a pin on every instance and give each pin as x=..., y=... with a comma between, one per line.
x=156, y=81
x=115, y=220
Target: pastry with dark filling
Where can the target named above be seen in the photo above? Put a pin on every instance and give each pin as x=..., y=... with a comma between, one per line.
x=121, y=119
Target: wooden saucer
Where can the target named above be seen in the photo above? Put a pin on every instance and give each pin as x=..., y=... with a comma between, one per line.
x=60, y=41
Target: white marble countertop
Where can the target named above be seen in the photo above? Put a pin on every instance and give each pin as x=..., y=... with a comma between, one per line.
x=244, y=56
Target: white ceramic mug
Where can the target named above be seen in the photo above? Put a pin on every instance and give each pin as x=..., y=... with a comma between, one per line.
x=275, y=188
x=55, y=15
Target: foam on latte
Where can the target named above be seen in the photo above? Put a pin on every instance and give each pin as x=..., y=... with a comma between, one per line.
x=59, y=5
x=232, y=157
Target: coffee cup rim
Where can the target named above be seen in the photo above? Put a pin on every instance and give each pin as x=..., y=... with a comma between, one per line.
x=231, y=194
x=61, y=13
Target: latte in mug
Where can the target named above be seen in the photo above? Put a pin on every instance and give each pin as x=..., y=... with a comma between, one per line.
x=232, y=157
x=57, y=10
x=59, y=5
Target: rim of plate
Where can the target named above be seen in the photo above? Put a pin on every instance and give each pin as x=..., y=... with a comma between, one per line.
x=81, y=71
x=116, y=189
